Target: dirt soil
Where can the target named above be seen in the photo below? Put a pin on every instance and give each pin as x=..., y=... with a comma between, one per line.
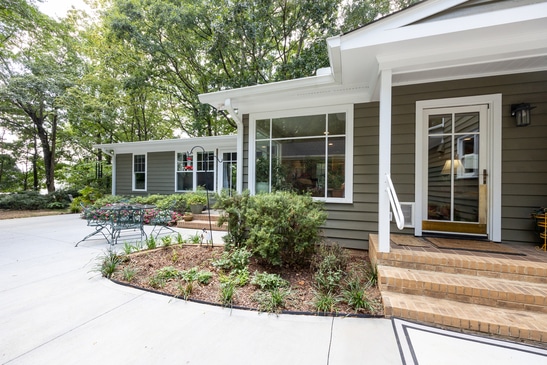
x=11, y=214
x=185, y=257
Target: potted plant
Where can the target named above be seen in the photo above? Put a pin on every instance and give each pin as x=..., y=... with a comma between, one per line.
x=188, y=216
x=196, y=201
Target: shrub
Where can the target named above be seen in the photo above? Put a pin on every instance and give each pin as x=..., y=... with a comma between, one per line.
x=235, y=214
x=266, y=281
x=330, y=264
x=282, y=227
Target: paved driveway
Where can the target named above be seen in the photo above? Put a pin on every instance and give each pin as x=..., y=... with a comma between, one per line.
x=54, y=309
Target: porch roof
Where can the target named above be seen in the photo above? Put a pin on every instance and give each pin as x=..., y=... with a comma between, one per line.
x=432, y=41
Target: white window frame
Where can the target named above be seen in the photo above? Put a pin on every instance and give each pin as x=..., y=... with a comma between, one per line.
x=195, y=171
x=134, y=182
x=346, y=108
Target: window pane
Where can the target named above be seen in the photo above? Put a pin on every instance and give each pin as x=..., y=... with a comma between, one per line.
x=263, y=129
x=140, y=179
x=140, y=163
x=185, y=181
x=336, y=167
x=262, y=174
x=337, y=123
x=206, y=161
x=466, y=122
x=206, y=180
x=304, y=126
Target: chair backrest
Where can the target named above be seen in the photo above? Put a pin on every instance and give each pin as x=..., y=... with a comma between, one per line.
x=126, y=217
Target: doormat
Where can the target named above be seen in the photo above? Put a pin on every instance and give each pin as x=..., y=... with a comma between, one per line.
x=471, y=245
x=407, y=240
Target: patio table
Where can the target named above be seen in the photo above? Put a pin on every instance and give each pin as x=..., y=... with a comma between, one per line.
x=114, y=219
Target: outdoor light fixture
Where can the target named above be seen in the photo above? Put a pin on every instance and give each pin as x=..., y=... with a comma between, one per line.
x=521, y=112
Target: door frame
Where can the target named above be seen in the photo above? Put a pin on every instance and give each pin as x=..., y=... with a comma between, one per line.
x=493, y=159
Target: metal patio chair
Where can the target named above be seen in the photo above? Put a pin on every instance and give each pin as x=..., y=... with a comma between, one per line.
x=95, y=220
x=126, y=218
x=162, y=220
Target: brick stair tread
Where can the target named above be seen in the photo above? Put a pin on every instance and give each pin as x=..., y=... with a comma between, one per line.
x=523, y=325
x=532, y=295
x=467, y=264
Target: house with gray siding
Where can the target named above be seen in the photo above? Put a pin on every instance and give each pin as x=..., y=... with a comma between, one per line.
x=430, y=103
x=172, y=166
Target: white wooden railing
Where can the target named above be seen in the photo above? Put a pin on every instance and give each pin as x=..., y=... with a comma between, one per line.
x=395, y=205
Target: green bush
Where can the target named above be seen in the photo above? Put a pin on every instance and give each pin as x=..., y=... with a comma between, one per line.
x=33, y=200
x=282, y=228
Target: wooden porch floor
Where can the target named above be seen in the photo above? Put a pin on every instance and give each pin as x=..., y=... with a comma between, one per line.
x=492, y=293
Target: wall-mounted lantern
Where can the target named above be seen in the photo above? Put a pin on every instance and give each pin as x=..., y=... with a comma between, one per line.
x=522, y=114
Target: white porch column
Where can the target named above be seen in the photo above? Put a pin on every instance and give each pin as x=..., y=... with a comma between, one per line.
x=384, y=163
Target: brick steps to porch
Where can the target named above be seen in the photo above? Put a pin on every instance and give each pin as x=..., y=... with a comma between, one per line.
x=492, y=295
x=201, y=221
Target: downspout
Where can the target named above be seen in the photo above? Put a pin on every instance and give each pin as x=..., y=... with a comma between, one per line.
x=240, y=135
x=384, y=161
x=113, y=155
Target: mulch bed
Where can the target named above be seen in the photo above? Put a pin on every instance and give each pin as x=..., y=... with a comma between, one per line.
x=185, y=257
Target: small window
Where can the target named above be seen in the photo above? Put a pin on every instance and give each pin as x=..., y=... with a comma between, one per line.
x=139, y=172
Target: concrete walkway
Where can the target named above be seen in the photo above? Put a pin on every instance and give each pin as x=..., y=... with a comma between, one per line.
x=54, y=309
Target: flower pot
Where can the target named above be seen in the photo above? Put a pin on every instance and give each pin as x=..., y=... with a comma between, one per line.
x=196, y=208
x=187, y=217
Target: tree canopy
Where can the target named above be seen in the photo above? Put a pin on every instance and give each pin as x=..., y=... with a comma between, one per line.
x=133, y=70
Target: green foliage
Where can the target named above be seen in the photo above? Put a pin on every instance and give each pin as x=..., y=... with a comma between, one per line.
x=271, y=300
x=32, y=200
x=236, y=259
x=129, y=273
x=266, y=281
x=355, y=295
x=372, y=274
x=108, y=263
x=227, y=292
x=330, y=264
x=196, y=198
x=235, y=214
x=325, y=302
x=151, y=243
x=282, y=227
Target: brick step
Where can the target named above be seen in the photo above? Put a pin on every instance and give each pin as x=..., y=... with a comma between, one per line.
x=510, y=323
x=493, y=267
x=494, y=292
x=202, y=224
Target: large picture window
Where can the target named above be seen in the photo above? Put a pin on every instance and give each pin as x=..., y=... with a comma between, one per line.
x=304, y=153
x=139, y=172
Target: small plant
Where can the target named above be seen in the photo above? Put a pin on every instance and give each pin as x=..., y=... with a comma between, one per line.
x=174, y=256
x=271, y=301
x=151, y=243
x=227, y=292
x=325, y=302
x=195, y=239
x=166, y=241
x=372, y=274
x=266, y=281
x=180, y=239
x=237, y=259
x=355, y=295
x=330, y=265
x=186, y=289
x=109, y=263
x=127, y=248
x=129, y=273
